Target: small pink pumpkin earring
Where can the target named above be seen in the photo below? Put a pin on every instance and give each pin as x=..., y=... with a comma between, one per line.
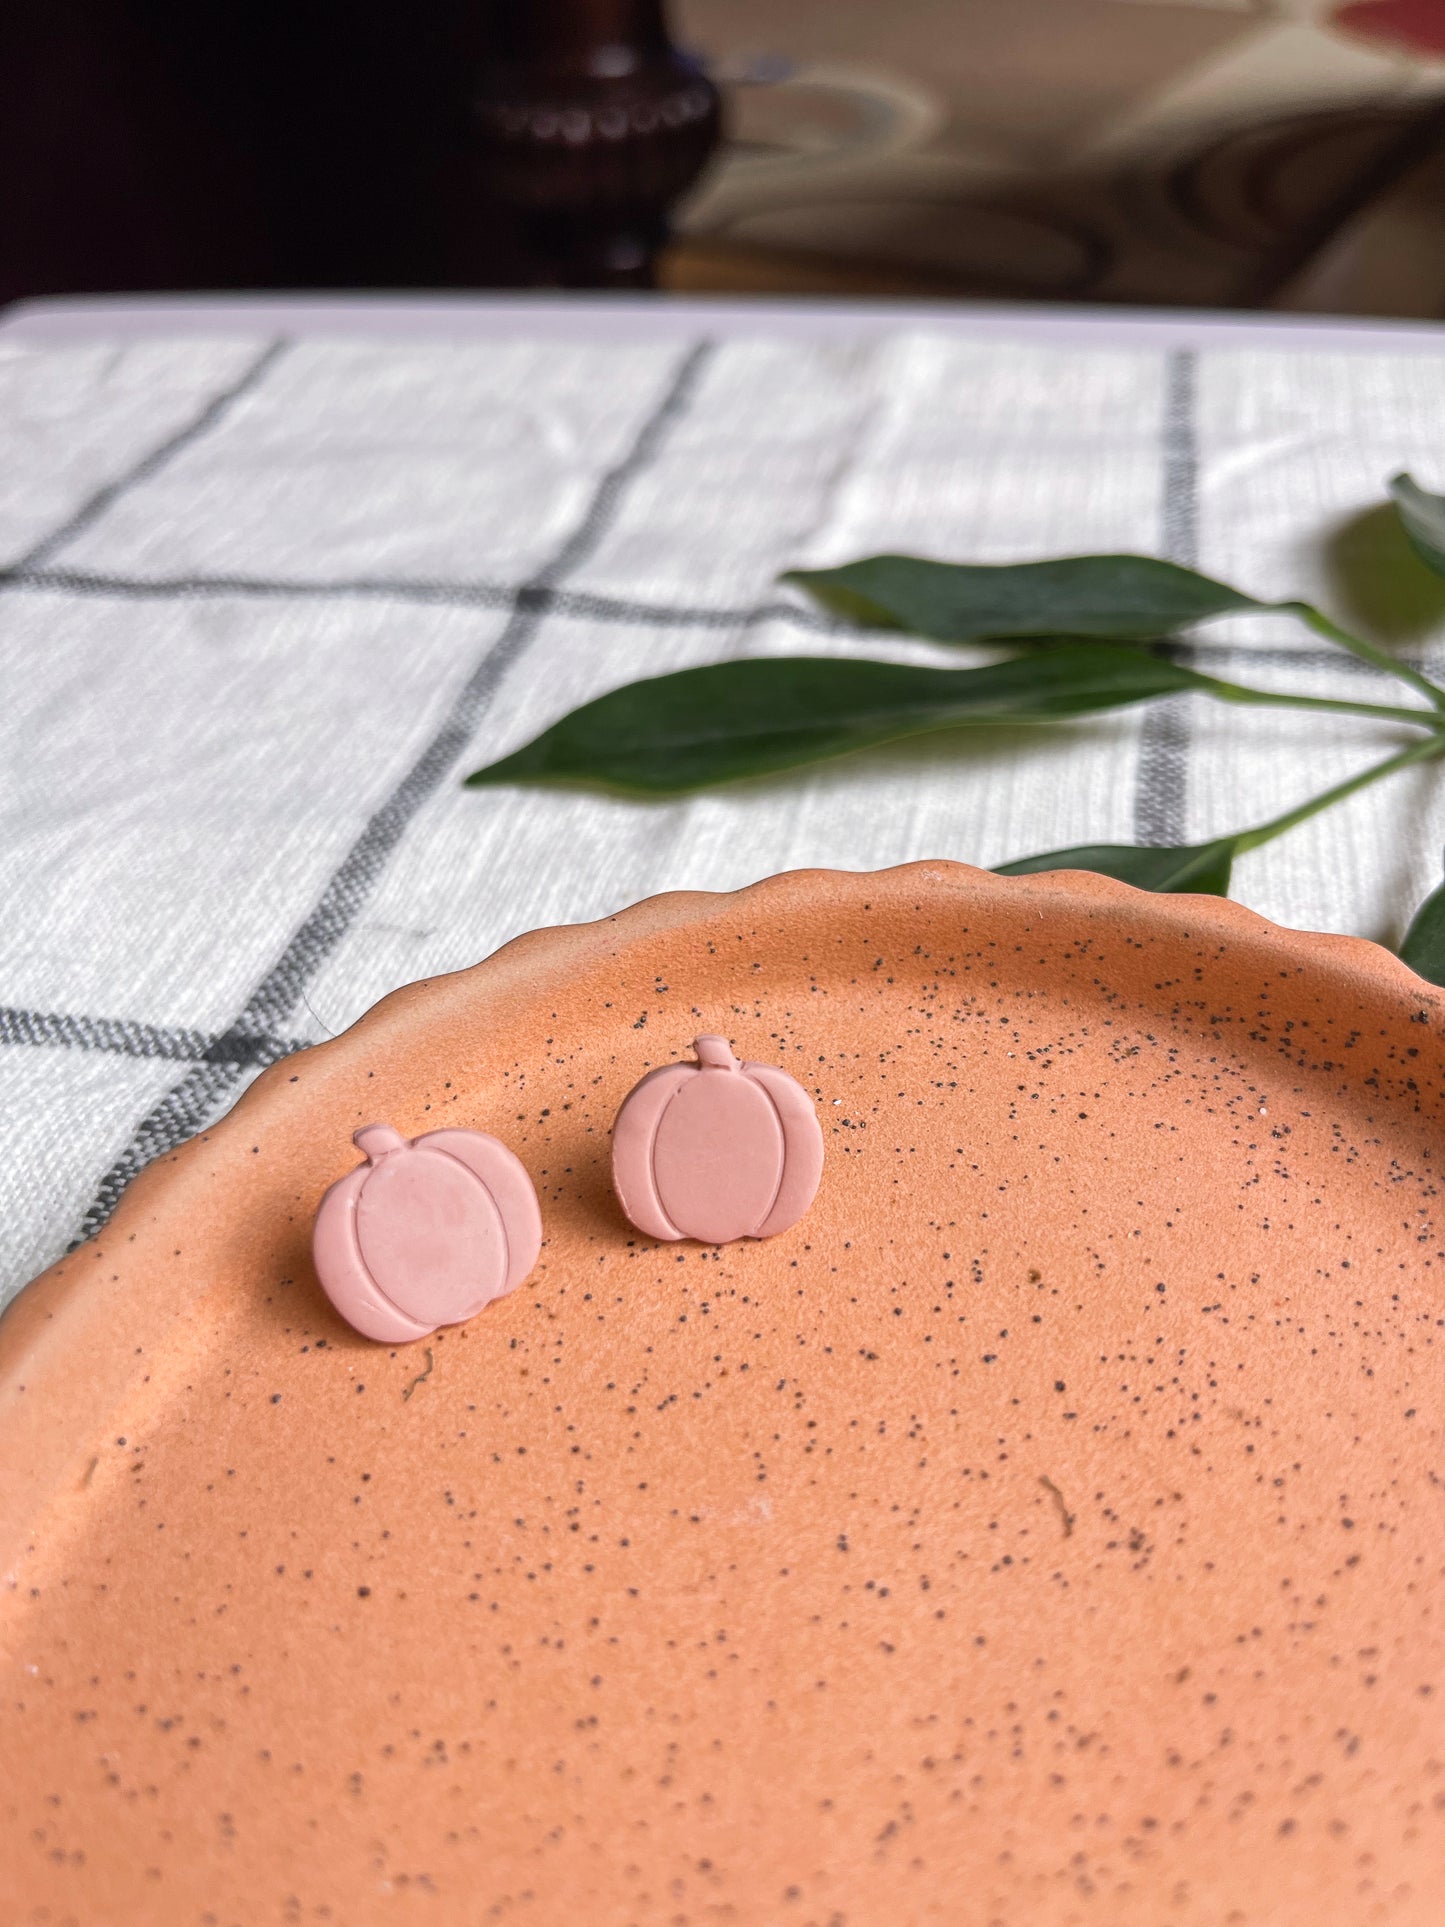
x=426, y=1232
x=716, y=1150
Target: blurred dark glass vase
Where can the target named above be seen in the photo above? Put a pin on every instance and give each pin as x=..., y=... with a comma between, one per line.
x=588, y=125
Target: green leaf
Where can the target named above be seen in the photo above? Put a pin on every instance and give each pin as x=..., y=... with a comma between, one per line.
x=1423, y=515
x=748, y=718
x=1118, y=598
x=1424, y=945
x=1202, y=867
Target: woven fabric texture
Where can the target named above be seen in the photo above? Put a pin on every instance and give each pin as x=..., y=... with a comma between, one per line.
x=263, y=603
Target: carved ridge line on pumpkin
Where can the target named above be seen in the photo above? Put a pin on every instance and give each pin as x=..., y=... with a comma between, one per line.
x=784, y=1095
x=674, y=1231
x=652, y=1202
x=782, y=1124
x=501, y=1218
x=380, y=1305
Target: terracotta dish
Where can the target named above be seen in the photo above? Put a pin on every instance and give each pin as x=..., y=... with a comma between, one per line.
x=1047, y=1529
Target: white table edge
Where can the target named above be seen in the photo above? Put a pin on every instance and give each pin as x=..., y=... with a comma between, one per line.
x=76, y=320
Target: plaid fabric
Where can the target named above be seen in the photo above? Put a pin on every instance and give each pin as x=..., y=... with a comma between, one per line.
x=263, y=603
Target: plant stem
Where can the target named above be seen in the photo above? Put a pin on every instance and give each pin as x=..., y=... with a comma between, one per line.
x=1419, y=752
x=1367, y=652
x=1233, y=692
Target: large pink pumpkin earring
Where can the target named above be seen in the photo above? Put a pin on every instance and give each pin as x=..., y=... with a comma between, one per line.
x=716, y=1150
x=426, y=1232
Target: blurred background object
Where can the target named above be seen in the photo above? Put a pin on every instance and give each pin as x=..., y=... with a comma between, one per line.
x=1203, y=152
x=1161, y=151
x=588, y=124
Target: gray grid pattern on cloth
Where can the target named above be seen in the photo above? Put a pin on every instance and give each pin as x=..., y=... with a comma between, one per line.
x=130, y=1039
x=180, y=1111
x=105, y=497
x=1157, y=752
x=1161, y=796
x=587, y=608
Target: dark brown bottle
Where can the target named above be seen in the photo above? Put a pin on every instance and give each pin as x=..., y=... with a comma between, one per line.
x=588, y=125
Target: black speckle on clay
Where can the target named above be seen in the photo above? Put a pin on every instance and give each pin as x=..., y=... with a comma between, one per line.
x=1043, y=1532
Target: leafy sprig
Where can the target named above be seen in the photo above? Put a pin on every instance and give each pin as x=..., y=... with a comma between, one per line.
x=1091, y=634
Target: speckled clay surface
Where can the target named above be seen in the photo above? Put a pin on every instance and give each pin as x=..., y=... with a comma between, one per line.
x=1047, y=1530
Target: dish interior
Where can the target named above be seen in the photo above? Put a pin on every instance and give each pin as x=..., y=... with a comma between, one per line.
x=1048, y=1526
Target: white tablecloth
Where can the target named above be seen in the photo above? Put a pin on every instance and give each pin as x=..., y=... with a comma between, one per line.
x=265, y=601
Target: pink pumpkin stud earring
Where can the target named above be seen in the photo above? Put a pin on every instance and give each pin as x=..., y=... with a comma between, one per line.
x=426, y=1232
x=716, y=1150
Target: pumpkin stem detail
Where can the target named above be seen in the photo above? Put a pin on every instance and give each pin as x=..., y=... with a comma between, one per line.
x=377, y=1139
x=715, y=1054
